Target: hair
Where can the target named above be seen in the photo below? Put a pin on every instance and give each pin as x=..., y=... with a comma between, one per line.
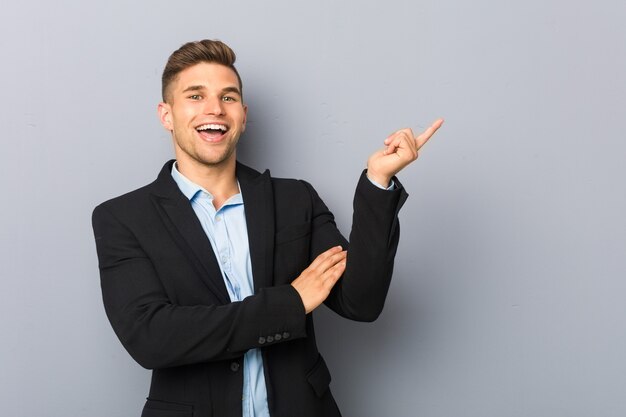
x=193, y=53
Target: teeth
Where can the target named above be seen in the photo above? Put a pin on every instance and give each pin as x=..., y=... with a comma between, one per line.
x=212, y=126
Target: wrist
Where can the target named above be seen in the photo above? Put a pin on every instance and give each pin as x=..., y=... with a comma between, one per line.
x=381, y=180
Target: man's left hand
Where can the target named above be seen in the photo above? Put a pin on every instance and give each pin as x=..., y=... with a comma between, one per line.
x=401, y=148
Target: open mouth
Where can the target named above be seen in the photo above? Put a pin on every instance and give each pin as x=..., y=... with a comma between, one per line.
x=212, y=131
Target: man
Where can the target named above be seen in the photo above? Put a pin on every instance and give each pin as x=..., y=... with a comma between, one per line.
x=210, y=273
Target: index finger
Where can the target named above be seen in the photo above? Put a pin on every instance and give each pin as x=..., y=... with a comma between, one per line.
x=325, y=255
x=426, y=134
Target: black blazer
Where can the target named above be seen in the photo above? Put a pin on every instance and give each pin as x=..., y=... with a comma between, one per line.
x=166, y=300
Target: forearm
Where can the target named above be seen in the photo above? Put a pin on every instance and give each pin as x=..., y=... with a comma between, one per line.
x=360, y=294
x=161, y=328
x=160, y=334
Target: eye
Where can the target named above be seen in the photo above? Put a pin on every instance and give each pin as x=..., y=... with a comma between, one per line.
x=228, y=99
x=195, y=97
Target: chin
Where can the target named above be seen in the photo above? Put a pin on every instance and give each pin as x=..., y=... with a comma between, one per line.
x=217, y=160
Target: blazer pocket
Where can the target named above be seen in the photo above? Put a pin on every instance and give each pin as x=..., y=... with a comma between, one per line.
x=156, y=408
x=291, y=233
x=319, y=377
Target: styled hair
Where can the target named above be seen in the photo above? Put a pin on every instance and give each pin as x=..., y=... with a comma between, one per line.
x=192, y=53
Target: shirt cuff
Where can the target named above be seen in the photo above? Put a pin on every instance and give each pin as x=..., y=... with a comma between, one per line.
x=392, y=185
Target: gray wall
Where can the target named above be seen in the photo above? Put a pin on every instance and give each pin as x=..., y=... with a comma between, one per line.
x=508, y=297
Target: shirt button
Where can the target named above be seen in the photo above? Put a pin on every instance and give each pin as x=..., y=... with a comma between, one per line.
x=234, y=366
x=224, y=259
x=218, y=219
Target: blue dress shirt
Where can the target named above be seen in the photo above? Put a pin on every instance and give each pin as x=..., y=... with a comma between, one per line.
x=228, y=234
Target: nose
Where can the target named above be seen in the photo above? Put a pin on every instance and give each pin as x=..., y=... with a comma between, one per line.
x=214, y=106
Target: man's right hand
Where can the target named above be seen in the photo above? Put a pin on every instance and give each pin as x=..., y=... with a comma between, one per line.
x=315, y=282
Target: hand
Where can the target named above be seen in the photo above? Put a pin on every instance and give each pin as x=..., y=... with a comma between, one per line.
x=401, y=148
x=315, y=282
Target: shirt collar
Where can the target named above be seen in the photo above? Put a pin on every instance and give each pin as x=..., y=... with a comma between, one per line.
x=190, y=189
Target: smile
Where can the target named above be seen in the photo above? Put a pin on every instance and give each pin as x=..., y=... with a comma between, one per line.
x=212, y=132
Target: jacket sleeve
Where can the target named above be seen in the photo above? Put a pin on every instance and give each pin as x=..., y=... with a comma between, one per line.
x=160, y=334
x=361, y=291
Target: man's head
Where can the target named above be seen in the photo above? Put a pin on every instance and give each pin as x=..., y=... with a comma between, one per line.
x=192, y=53
x=203, y=106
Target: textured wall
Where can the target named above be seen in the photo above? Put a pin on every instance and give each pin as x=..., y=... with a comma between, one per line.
x=508, y=295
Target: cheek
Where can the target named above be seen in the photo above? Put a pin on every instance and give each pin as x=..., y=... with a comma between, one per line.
x=182, y=120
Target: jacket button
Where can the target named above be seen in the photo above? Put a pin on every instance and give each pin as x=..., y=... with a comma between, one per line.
x=261, y=340
x=270, y=339
x=286, y=335
x=234, y=366
x=278, y=336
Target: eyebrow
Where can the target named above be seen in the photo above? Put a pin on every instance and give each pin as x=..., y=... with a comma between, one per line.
x=231, y=89
x=193, y=88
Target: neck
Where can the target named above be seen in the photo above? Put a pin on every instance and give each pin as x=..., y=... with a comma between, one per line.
x=219, y=180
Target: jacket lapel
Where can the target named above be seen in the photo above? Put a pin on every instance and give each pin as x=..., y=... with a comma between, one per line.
x=186, y=230
x=258, y=199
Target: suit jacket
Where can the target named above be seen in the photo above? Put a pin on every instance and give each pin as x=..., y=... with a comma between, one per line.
x=167, y=302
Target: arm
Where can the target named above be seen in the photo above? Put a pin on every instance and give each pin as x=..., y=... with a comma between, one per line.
x=361, y=292
x=158, y=333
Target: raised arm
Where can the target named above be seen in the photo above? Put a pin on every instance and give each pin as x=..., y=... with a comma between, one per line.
x=360, y=293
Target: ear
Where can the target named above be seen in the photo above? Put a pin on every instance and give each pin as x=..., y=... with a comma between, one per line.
x=245, y=117
x=165, y=115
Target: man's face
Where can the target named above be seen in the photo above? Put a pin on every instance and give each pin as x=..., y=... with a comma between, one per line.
x=205, y=114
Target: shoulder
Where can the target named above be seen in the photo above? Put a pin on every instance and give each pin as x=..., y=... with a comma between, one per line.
x=128, y=199
x=138, y=200
x=291, y=186
x=282, y=187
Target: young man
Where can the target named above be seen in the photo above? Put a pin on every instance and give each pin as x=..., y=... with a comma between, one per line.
x=210, y=272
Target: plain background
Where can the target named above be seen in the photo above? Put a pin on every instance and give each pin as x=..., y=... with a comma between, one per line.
x=509, y=293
